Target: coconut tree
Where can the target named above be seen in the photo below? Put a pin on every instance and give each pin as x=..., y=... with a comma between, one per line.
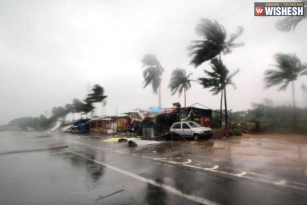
x=96, y=96
x=288, y=69
x=58, y=112
x=69, y=109
x=213, y=43
x=290, y=22
x=81, y=107
x=152, y=73
x=217, y=81
x=180, y=82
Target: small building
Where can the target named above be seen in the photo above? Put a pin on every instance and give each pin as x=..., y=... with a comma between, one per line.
x=105, y=125
x=109, y=125
x=123, y=124
x=201, y=116
x=167, y=117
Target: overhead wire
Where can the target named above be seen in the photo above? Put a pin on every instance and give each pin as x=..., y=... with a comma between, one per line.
x=234, y=13
x=228, y=3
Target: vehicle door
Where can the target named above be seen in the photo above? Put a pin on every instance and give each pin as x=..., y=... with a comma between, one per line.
x=177, y=128
x=186, y=130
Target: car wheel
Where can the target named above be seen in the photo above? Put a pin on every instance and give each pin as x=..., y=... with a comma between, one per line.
x=195, y=136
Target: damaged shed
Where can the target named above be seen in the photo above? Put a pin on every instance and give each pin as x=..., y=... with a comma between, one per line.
x=166, y=119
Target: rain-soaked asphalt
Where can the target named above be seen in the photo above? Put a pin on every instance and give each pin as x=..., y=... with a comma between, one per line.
x=40, y=168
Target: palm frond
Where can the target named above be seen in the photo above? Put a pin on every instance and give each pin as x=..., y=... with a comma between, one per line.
x=288, y=69
x=289, y=23
x=234, y=36
x=234, y=73
x=213, y=41
x=153, y=72
x=179, y=81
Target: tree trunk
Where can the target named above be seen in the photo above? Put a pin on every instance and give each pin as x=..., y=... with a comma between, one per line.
x=294, y=106
x=185, y=99
x=226, y=114
x=221, y=105
x=221, y=108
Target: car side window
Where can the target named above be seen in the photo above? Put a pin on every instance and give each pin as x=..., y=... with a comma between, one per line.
x=177, y=126
x=185, y=126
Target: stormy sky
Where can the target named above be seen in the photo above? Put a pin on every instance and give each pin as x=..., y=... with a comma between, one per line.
x=54, y=51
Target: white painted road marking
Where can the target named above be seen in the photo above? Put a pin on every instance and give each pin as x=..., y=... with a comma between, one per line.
x=241, y=174
x=154, y=183
x=172, y=162
x=215, y=170
x=281, y=182
x=215, y=167
x=247, y=177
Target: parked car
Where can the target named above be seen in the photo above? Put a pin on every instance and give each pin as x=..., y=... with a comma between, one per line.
x=191, y=129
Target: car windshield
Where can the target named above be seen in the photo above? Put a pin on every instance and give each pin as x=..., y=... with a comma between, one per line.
x=194, y=124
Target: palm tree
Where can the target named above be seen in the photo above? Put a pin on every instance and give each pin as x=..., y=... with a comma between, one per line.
x=58, y=112
x=290, y=22
x=97, y=95
x=180, y=82
x=81, y=107
x=152, y=73
x=213, y=42
x=288, y=69
x=217, y=80
x=69, y=109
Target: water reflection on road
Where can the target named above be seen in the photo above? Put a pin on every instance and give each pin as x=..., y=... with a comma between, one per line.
x=179, y=171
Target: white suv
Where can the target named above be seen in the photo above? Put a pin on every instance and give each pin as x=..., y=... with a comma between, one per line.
x=191, y=129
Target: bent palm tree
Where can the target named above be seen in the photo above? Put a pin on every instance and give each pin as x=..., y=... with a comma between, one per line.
x=81, y=107
x=97, y=95
x=290, y=22
x=217, y=80
x=69, y=109
x=152, y=73
x=180, y=82
x=214, y=41
x=289, y=68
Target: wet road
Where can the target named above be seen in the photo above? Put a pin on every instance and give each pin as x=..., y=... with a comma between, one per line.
x=38, y=168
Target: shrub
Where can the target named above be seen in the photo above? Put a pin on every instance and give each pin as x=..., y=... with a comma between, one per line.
x=237, y=132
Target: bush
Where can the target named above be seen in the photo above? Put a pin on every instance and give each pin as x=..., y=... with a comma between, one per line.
x=237, y=132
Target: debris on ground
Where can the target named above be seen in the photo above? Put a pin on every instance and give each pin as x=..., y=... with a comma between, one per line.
x=122, y=140
x=118, y=139
x=138, y=142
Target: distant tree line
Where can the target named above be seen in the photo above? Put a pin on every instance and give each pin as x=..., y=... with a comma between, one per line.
x=270, y=115
x=59, y=113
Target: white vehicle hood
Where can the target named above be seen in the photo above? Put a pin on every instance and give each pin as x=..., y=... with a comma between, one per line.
x=201, y=129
